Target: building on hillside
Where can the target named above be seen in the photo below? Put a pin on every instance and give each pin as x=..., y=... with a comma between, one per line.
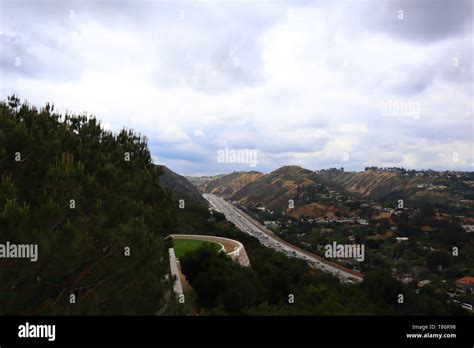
x=422, y=283
x=466, y=283
x=406, y=280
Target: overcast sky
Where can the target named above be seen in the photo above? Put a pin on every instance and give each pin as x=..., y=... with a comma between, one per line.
x=313, y=83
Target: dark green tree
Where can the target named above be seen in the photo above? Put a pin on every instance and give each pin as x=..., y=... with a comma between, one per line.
x=98, y=219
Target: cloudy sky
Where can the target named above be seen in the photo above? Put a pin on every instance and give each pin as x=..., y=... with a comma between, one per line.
x=313, y=83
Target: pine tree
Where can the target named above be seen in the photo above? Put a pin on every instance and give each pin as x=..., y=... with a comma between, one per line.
x=66, y=186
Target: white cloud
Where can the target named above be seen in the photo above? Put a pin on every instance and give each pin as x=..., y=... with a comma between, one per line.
x=307, y=87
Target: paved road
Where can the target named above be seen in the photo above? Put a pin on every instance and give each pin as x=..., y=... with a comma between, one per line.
x=249, y=225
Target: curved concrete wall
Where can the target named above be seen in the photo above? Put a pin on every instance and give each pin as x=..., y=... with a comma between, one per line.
x=177, y=287
x=233, y=248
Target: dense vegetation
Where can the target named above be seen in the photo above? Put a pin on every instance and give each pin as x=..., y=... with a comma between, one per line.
x=92, y=202
x=218, y=281
x=181, y=187
x=67, y=186
x=223, y=287
x=184, y=246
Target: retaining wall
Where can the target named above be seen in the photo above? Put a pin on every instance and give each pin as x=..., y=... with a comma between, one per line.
x=236, y=251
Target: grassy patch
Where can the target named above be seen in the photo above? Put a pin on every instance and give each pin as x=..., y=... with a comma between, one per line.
x=183, y=246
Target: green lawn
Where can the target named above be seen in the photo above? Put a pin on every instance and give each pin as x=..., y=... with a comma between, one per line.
x=182, y=246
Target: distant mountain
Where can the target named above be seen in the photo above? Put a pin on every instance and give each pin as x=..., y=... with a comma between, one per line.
x=227, y=185
x=181, y=186
x=200, y=181
x=315, y=193
x=273, y=190
x=374, y=184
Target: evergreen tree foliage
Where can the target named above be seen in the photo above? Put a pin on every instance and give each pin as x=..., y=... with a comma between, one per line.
x=67, y=186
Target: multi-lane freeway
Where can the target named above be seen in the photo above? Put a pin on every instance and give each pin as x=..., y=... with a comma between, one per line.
x=249, y=225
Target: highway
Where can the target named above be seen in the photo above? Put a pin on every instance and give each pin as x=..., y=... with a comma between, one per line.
x=266, y=237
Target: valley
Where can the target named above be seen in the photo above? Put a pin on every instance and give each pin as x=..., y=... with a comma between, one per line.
x=252, y=227
x=417, y=225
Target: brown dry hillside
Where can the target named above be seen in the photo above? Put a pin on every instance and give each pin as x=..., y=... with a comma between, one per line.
x=271, y=190
x=227, y=185
x=373, y=184
x=314, y=210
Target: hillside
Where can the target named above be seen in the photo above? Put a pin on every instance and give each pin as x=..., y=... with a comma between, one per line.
x=273, y=190
x=200, y=181
x=317, y=194
x=181, y=187
x=374, y=184
x=91, y=202
x=95, y=206
x=228, y=185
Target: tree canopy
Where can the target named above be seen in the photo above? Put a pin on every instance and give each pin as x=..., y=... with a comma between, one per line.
x=91, y=200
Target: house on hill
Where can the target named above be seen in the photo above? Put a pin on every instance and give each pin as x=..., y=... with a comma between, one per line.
x=466, y=283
